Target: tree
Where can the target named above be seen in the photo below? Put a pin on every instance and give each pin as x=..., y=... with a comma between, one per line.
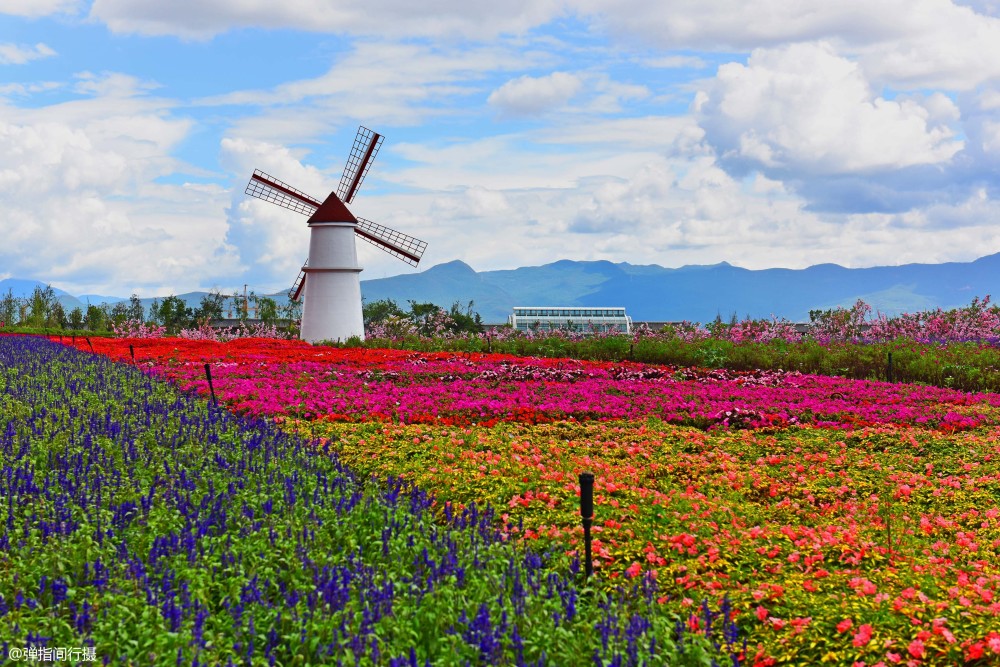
x=267, y=310
x=241, y=303
x=95, y=319
x=57, y=316
x=467, y=321
x=211, y=307
x=119, y=312
x=136, y=311
x=291, y=311
x=431, y=319
x=76, y=318
x=421, y=315
x=40, y=304
x=380, y=311
x=9, y=306
x=173, y=314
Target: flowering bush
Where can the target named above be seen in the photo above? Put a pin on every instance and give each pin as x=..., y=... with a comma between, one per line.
x=977, y=321
x=205, y=332
x=138, y=329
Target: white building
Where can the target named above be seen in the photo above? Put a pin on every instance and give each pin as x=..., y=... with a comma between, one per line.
x=573, y=318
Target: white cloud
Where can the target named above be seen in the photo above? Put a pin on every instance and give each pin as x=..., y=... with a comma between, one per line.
x=272, y=241
x=16, y=54
x=910, y=44
x=83, y=205
x=528, y=95
x=400, y=84
x=619, y=202
x=939, y=45
x=36, y=8
x=804, y=108
x=27, y=89
x=436, y=18
x=746, y=24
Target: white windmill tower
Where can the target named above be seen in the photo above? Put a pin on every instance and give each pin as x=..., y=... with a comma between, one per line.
x=330, y=277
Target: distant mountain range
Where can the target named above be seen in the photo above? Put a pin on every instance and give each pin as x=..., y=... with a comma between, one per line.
x=699, y=293
x=656, y=294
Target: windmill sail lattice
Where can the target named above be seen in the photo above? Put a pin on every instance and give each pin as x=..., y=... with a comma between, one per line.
x=267, y=187
x=363, y=153
x=332, y=308
x=396, y=243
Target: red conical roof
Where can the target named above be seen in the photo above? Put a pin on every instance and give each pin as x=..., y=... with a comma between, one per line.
x=332, y=210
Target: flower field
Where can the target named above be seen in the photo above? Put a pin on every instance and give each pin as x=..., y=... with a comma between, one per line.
x=847, y=522
x=155, y=528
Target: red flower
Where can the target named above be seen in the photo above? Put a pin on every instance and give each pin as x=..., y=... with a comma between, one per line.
x=845, y=625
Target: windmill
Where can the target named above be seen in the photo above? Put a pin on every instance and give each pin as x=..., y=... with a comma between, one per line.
x=329, y=277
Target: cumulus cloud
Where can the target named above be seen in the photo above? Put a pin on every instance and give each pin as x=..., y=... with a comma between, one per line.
x=915, y=43
x=940, y=46
x=17, y=54
x=83, y=206
x=803, y=108
x=272, y=242
x=528, y=95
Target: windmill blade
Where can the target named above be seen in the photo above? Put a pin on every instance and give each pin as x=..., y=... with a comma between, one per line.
x=296, y=292
x=363, y=152
x=268, y=188
x=397, y=244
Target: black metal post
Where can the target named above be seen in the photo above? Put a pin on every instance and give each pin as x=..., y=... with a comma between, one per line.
x=208, y=374
x=91, y=345
x=888, y=374
x=587, y=513
x=131, y=350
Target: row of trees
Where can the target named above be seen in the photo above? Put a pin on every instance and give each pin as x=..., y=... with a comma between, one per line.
x=42, y=310
x=174, y=314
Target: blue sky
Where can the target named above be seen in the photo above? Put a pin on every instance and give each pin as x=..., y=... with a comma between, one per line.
x=759, y=132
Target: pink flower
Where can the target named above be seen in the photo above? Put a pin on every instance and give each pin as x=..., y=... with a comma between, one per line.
x=863, y=635
x=845, y=625
x=916, y=648
x=634, y=570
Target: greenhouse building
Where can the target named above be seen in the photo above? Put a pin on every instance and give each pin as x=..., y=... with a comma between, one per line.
x=572, y=318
